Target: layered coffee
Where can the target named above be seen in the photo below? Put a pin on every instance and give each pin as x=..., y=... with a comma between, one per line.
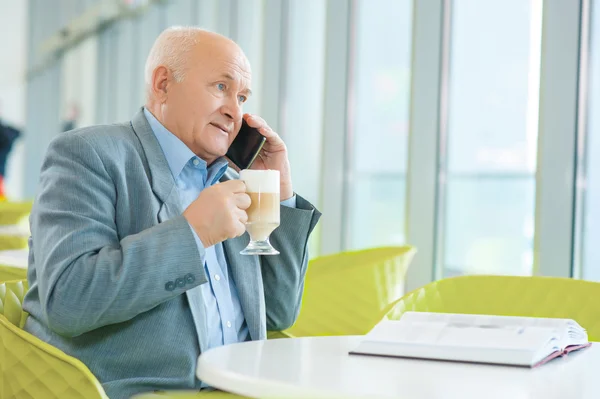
x=263, y=214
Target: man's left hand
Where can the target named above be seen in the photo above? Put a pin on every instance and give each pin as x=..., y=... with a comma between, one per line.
x=273, y=155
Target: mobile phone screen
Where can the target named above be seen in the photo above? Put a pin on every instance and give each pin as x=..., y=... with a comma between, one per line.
x=246, y=146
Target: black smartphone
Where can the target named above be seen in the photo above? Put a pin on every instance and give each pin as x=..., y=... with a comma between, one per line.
x=245, y=147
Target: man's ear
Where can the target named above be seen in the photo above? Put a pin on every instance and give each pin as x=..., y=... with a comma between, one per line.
x=160, y=82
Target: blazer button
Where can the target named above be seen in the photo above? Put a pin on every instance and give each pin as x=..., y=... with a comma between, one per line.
x=170, y=286
x=180, y=282
x=189, y=278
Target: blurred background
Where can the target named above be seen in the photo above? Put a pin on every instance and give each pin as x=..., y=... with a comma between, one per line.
x=467, y=128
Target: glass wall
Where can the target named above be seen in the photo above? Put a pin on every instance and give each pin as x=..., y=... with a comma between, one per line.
x=338, y=80
x=489, y=156
x=379, y=91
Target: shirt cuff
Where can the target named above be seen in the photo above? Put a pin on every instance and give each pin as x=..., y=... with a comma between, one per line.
x=290, y=202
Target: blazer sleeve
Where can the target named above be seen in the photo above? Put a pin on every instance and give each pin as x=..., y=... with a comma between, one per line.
x=283, y=275
x=87, y=276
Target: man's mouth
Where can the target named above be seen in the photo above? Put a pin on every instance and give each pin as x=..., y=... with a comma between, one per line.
x=221, y=127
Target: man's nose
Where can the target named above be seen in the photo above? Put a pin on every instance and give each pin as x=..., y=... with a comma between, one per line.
x=233, y=110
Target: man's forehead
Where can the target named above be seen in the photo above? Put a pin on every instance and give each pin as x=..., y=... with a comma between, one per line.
x=233, y=71
x=224, y=60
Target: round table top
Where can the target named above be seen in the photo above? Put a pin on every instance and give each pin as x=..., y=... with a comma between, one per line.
x=321, y=367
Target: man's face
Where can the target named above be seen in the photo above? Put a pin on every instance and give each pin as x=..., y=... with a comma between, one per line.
x=205, y=109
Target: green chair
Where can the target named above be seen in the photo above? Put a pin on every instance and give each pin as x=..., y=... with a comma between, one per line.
x=8, y=242
x=350, y=292
x=32, y=368
x=8, y=273
x=14, y=212
x=509, y=296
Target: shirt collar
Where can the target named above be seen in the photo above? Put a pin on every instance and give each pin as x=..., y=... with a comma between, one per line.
x=178, y=154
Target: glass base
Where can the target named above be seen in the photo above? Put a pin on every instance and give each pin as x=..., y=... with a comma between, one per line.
x=259, y=248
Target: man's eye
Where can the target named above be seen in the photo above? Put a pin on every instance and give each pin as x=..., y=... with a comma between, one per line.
x=221, y=86
x=242, y=99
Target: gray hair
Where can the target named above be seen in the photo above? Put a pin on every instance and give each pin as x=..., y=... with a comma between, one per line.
x=171, y=50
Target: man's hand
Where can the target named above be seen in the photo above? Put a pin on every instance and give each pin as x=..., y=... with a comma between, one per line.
x=219, y=212
x=273, y=155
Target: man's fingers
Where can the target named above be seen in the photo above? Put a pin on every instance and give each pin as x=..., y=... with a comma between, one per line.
x=243, y=217
x=262, y=126
x=242, y=201
x=240, y=228
x=255, y=121
x=235, y=186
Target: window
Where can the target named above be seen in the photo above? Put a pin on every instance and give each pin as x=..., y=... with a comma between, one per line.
x=378, y=123
x=488, y=160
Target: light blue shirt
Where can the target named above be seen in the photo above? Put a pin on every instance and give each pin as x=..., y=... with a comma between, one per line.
x=225, y=322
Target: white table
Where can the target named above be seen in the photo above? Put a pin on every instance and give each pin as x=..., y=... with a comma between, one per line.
x=14, y=257
x=321, y=367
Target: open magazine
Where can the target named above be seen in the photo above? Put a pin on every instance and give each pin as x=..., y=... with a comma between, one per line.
x=518, y=341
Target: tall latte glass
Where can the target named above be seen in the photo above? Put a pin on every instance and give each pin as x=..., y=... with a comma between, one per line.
x=263, y=214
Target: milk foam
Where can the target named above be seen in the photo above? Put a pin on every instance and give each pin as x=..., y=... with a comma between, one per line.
x=261, y=181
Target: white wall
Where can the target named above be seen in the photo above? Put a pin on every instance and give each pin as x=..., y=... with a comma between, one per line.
x=13, y=43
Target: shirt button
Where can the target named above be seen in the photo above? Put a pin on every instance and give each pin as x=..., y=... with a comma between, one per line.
x=228, y=324
x=195, y=161
x=217, y=277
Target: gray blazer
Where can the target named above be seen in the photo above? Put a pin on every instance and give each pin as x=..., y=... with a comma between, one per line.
x=107, y=235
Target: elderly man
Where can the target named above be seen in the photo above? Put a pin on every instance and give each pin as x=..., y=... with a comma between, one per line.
x=135, y=264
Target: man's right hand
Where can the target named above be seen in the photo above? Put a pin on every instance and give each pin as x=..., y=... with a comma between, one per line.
x=219, y=212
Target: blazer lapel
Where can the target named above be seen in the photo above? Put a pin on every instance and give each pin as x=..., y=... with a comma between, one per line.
x=245, y=270
x=161, y=179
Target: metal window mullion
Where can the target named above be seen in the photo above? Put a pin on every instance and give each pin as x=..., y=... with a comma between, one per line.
x=428, y=81
x=349, y=177
x=555, y=177
x=582, y=139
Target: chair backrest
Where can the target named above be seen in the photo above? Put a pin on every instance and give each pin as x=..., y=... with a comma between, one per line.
x=8, y=242
x=13, y=212
x=509, y=296
x=350, y=292
x=32, y=368
x=8, y=273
